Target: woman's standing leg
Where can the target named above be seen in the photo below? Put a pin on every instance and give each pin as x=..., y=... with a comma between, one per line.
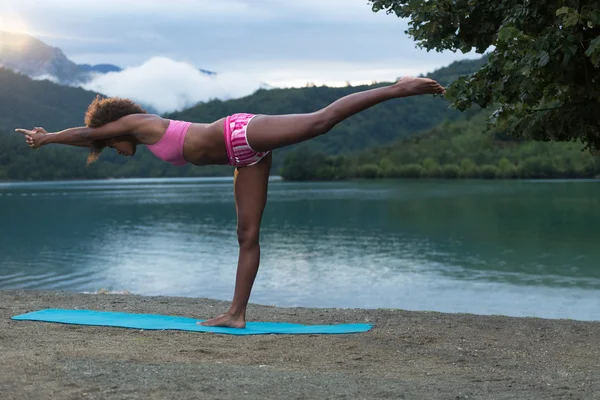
x=269, y=132
x=250, y=190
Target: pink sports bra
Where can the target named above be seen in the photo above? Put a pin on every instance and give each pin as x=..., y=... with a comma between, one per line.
x=170, y=145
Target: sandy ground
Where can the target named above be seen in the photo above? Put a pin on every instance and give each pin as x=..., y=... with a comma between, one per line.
x=407, y=355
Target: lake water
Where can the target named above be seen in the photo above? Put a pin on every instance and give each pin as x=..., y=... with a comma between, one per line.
x=512, y=248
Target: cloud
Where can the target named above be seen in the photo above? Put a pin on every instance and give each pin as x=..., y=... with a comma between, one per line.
x=168, y=85
x=283, y=43
x=46, y=77
x=224, y=35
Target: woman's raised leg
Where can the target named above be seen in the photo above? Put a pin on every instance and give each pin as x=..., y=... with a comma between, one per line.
x=269, y=132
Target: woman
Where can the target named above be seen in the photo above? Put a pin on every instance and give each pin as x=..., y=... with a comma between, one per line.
x=244, y=141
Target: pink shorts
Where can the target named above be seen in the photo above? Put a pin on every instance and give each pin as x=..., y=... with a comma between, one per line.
x=238, y=150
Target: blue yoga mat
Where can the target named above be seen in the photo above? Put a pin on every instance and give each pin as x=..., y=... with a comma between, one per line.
x=165, y=322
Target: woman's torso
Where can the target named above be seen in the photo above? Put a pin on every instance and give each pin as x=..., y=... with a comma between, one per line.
x=204, y=144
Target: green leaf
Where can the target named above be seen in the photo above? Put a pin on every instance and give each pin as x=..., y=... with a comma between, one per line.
x=571, y=20
x=570, y=16
x=508, y=33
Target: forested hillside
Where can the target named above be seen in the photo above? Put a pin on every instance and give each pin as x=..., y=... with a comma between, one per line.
x=28, y=103
x=458, y=149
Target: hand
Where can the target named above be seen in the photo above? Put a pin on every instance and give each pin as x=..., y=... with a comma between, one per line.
x=33, y=137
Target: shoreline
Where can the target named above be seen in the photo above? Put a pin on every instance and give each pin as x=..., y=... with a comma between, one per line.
x=105, y=292
x=407, y=354
x=280, y=178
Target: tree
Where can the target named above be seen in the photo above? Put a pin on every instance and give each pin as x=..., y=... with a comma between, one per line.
x=542, y=73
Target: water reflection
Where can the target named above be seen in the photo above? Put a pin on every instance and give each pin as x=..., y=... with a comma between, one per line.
x=515, y=248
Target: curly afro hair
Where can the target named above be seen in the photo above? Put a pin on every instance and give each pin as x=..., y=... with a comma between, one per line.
x=102, y=111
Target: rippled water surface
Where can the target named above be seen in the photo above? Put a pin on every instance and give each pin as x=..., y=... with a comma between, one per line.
x=511, y=248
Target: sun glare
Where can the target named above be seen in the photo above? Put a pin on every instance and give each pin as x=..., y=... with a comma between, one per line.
x=13, y=23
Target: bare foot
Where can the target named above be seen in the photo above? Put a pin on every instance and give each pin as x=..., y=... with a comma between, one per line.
x=411, y=86
x=225, y=320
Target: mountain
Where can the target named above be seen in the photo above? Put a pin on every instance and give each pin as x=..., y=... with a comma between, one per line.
x=30, y=56
x=100, y=68
x=206, y=72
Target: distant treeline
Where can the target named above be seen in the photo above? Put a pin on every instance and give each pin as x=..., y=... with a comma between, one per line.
x=452, y=150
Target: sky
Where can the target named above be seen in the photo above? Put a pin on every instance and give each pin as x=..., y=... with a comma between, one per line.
x=282, y=43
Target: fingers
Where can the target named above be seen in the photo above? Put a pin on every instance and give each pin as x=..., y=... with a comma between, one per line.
x=28, y=138
x=32, y=131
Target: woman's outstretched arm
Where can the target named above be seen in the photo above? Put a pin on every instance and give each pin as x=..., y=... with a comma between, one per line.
x=82, y=135
x=39, y=130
